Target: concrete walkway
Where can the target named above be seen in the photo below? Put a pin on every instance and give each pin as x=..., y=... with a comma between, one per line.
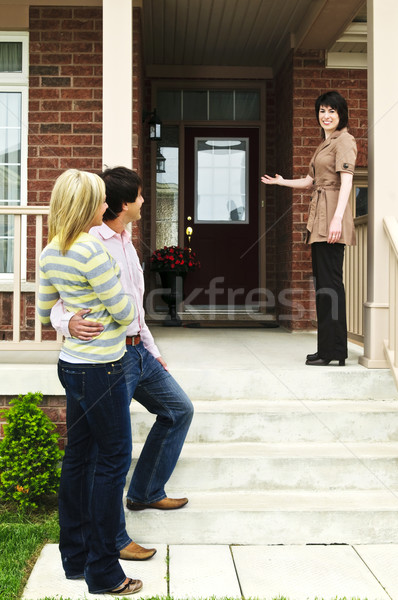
x=233, y=365
x=263, y=572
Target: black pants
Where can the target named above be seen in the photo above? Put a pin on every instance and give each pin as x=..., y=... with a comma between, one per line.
x=327, y=268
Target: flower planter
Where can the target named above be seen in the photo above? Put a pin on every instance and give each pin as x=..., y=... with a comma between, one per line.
x=173, y=284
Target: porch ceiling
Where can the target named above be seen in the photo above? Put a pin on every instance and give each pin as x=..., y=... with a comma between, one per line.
x=251, y=33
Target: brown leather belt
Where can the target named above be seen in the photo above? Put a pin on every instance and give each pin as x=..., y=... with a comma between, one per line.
x=133, y=340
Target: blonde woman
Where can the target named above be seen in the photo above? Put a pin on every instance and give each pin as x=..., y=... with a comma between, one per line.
x=77, y=268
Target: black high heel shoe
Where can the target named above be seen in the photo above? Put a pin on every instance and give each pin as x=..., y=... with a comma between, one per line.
x=320, y=362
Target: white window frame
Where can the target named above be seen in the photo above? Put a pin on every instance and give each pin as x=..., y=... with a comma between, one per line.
x=23, y=77
x=19, y=82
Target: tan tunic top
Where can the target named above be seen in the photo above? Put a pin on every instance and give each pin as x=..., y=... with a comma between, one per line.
x=335, y=155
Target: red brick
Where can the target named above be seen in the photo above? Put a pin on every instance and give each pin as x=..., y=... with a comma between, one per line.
x=77, y=93
x=81, y=24
x=89, y=82
x=86, y=164
x=57, y=13
x=86, y=151
x=62, y=36
x=58, y=59
x=81, y=70
x=43, y=117
x=71, y=140
x=77, y=47
x=42, y=93
x=55, y=151
x=87, y=13
x=87, y=128
x=76, y=117
x=42, y=162
x=92, y=36
x=47, y=25
x=43, y=70
x=56, y=81
x=92, y=59
x=94, y=105
x=44, y=140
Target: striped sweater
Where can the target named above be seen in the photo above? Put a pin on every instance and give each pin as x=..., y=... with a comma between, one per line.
x=86, y=277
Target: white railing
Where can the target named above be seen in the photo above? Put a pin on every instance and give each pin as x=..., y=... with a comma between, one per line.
x=391, y=344
x=19, y=287
x=355, y=279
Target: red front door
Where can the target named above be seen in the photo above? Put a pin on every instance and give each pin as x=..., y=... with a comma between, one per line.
x=222, y=208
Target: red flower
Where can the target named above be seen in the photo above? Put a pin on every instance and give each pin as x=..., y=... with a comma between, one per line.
x=174, y=258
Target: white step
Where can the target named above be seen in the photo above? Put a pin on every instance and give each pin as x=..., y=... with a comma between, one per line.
x=289, y=421
x=289, y=382
x=273, y=518
x=279, y=466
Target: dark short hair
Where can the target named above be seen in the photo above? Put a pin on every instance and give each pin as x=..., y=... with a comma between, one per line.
x=335, y=101
x=122, y=185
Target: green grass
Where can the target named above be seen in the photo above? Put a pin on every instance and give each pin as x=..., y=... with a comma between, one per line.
x=22, y=536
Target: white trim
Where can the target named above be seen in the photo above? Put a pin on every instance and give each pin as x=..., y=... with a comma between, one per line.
x=117, y=79
x=355, y=32
x=23, y=77
x=346, y=60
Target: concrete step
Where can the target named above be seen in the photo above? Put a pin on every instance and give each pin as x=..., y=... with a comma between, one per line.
x=289, y=421
x=253, y=379
x=300, y=517
x=279, y=466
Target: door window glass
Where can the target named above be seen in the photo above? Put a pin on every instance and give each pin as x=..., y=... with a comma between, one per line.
x=167, y=190
x=221, y=190
x=221, y=106
x=208, y=105
x=195, y=106
x=247, y=106
x=169, y=105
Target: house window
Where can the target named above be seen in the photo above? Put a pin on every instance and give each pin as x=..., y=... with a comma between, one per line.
x=13, y=139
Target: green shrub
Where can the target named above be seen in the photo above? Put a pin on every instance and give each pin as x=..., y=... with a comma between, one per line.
x=29, y=453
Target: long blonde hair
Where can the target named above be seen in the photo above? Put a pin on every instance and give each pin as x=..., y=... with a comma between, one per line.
x=75, y=199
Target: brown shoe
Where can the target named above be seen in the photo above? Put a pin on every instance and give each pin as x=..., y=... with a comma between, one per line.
x=164, y=504
x=131, y=586
x=136, y=552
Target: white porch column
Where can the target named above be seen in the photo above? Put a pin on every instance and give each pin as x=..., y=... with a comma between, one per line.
x=117, y=82
x=383, y=189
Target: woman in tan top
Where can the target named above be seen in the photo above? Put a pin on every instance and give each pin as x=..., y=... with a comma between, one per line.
x=330, y=223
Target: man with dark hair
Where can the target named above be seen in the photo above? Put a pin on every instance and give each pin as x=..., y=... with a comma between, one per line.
x=147, y=376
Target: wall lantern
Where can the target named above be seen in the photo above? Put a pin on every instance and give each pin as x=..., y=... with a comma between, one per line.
x=160, y=162
x=155, y=125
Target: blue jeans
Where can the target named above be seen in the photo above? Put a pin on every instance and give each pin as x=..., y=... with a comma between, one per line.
x=96, y=462
x=153, y=387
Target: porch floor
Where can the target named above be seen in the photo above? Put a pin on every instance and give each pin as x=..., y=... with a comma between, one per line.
x=222, y=363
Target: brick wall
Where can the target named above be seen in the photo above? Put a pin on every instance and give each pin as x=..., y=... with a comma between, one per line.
x=65, y=95
x=306, y=73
